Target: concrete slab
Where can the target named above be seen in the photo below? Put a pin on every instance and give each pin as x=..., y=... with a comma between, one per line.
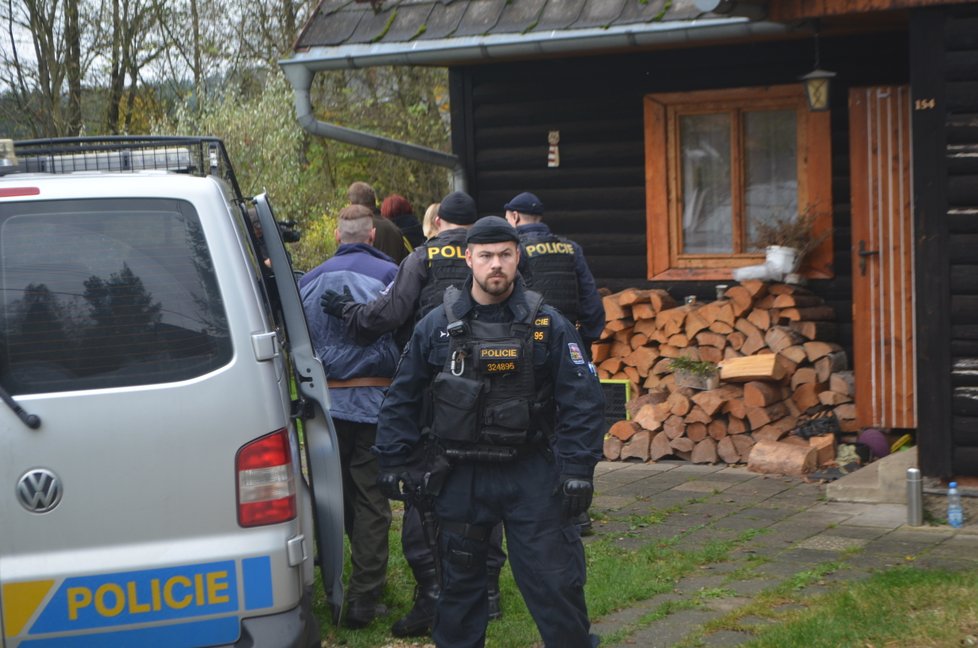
x=882, y=481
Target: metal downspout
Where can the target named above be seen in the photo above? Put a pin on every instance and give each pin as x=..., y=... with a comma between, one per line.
x=301, y=79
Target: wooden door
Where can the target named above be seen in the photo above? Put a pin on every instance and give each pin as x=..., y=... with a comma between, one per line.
x=882, y=257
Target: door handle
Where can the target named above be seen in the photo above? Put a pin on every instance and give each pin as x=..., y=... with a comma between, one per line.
x=863, y=253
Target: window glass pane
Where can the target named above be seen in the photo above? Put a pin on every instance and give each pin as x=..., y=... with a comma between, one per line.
x=705, y=144
x=106, y=293
x=771, y=173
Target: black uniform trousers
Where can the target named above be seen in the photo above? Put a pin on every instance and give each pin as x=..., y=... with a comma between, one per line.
x=418, y=554
x=545, y=552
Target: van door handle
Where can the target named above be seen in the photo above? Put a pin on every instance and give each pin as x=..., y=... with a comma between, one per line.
x=863, y=253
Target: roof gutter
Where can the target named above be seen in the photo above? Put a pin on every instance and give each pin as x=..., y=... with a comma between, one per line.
x=301, y=68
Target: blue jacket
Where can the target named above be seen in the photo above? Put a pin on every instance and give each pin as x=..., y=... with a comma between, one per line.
x=365, y=271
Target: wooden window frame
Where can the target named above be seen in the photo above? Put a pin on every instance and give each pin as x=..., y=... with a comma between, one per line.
x=663, y=188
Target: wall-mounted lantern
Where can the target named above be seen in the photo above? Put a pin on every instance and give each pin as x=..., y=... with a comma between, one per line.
x=817, y=83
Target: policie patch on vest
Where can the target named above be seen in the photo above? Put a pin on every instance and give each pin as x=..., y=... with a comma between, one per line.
x=554, y=247
x=499, y=358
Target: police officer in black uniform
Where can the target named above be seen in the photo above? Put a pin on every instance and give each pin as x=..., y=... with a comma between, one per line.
x=416, y=290
x=555, y=267
x=498, y=384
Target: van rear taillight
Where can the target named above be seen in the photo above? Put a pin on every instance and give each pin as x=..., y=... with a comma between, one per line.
x=266, y=487
x=13, y=192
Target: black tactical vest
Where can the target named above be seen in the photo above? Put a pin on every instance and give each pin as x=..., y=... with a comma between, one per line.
x=550, y=271
x=445, y=259
x=485, y=395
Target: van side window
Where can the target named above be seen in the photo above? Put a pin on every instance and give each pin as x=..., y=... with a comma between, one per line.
x=106, y=293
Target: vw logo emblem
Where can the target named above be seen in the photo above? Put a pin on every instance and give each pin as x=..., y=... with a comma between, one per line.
x=39, y=490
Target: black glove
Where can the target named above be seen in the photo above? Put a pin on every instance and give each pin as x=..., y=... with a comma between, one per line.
x=390, y=484
x=333, y=302
x=577, y=492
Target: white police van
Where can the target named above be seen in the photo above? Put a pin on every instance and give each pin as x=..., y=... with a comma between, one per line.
x=152, y=489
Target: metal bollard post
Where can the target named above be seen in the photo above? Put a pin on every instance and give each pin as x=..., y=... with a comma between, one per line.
x=915, y=498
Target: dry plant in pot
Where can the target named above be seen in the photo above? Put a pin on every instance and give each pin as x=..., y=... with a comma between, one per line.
x=787, y=239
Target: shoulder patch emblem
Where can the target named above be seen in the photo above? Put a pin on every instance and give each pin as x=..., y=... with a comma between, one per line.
x=575, y=353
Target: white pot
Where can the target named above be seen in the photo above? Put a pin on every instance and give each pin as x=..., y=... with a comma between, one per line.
x=782, y=259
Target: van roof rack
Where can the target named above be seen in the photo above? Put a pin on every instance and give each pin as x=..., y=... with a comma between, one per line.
x=199, y=156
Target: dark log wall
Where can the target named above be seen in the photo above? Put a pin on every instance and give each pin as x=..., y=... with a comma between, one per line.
x=502, y=113
x=946, y=183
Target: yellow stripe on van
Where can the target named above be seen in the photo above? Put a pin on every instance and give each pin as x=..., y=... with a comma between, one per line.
x=20, y=601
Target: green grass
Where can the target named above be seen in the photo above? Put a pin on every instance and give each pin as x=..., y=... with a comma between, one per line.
x=899, y=608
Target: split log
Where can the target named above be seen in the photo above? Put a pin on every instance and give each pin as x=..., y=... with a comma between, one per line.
x=815, y=313
x=781, y=458
x=737, y=425
x=710, y=354
x=659, y=447
x=704, y=452
x=806, y=396
x=815, y=349
x=647, y=327
x=779, y=338
x=637, y=447
x=825, y=449
x=612, y=309
x=825, y=331
x=695, y=432
x=843, y=382
x=762, y=394
x=694, y=324
x=832, y=398
x=760, y=318
x=682, y=444
x=794, y=353
x=716, y=429
x=756, y=367
x=774, y=431
x=697, y=415
x=721, y=327
x=760, y=416
x=744, y=443
x=599, y=353
x=802, y=376
x=830, y=364
x=679, y=404
x=638, y=340
x=624, y=430
x=674, y=427
x=709, y=338
x=753, y=344
x=740, y=299
x=797, y=301
x=712, y=400
x=643, y=312
x=652, y=397
x=642, y=359
x=727, y=451
x=612, y=448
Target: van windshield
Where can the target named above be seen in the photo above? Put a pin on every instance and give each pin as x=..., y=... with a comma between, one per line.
x=106, y=293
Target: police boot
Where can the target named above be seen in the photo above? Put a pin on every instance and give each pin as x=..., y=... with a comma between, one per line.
x=492, y=590
x=418, y=621
x=360, y=611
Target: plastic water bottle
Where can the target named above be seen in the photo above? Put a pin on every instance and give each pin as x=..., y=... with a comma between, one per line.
x=955, y=516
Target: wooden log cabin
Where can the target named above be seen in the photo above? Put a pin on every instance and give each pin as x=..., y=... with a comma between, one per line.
x=678, y=122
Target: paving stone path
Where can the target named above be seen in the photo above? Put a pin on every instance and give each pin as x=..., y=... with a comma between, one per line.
x=798, y=531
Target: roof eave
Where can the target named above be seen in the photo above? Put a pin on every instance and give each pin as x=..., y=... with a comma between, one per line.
x=470, y=49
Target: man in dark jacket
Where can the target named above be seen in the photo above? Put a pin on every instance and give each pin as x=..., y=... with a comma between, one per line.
x=357, y=378
x=555, y=267
x=518, y=411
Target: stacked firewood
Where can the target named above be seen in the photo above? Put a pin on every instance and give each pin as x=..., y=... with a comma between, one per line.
x=777, y=369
